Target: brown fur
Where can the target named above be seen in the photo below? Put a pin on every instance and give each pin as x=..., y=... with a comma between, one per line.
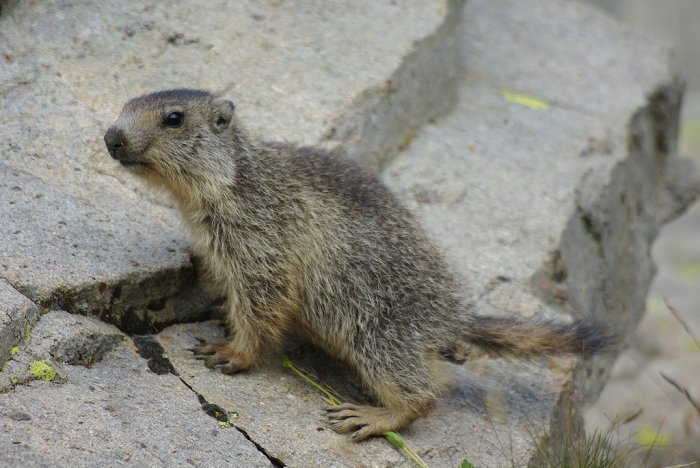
x=298, y=238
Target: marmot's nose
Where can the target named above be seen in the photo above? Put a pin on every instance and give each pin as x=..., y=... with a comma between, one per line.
x=114, y=139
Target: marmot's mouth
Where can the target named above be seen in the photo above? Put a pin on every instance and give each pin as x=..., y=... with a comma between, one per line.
x=129, y=163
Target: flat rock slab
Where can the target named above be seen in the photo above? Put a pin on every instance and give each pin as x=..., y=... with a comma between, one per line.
x=285, y=415
x=569, y=54
x=504, y=225
x=81, y=234
x=114, y=413
x=70, y=252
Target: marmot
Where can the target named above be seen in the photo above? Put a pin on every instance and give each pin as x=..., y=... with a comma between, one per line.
x=305, y=240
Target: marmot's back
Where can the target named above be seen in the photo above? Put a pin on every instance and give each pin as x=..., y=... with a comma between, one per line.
x=387, y=270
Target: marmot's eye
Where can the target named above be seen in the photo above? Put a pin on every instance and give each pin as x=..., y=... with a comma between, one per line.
x=173, y=120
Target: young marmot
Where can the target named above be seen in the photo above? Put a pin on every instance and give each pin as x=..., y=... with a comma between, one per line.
x=300, y=239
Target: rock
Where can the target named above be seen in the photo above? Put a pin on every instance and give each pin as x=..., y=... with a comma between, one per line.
x=66, y=252
x=545, y=187
x=58, y=338
x=553, y=209
x=17, y=315
x=74, y=339
x=285, y=415
x=112, y=413
x=81, y=234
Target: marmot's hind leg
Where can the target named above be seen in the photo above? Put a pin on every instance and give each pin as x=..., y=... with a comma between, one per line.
x=402, y=403
x=366, y=421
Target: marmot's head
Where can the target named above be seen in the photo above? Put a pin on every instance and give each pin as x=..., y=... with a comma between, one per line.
x=175, y=138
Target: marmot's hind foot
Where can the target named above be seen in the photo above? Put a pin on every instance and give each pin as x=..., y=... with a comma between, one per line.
x=366, y=421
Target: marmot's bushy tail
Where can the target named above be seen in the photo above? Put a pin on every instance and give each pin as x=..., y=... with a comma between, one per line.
x=512, y=336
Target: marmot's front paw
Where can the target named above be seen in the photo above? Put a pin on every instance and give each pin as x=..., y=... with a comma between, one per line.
x=218, y=353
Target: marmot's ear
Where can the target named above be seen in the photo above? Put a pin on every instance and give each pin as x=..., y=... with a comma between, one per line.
x=222, y=115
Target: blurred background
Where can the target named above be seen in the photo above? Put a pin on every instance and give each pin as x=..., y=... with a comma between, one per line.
x=665, y=426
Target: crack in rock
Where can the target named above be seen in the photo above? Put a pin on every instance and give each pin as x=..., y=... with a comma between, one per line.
x=152, y=351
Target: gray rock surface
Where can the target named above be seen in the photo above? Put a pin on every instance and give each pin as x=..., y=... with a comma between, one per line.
x=58, y=338
x=548, y=211
x=285, y=415
x=85, y=237
x=115, y=413
x=16, y=314
x=521, y=238
x=575, y=194
x=661, y=344
x=73, y=339
x=70, y=252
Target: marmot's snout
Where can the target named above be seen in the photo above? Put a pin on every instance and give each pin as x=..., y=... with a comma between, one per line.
x=114, y=139
x=116, y=142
